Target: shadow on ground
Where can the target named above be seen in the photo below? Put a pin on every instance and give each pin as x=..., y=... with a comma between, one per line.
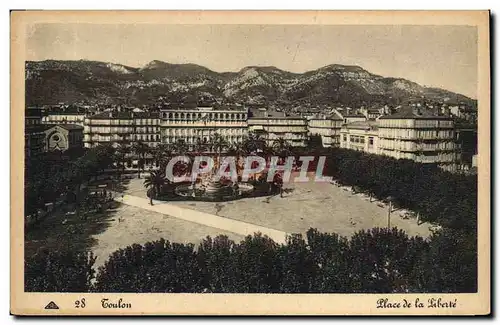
x=61, y=230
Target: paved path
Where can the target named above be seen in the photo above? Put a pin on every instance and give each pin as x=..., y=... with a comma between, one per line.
x=210, y=220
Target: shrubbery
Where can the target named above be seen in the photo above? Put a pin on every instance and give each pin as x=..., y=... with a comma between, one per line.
x=374, y=261
x=59, y=272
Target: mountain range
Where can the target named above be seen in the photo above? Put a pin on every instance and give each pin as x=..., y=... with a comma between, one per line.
x=91, y=82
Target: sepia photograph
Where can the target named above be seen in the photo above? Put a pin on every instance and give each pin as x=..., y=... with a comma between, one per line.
x=250, y=153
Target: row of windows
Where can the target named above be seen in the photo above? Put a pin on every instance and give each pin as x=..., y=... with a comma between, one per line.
x=324, y=124
x=287, y=136
x=147, y=121
x=280, y=129
x=195, y=140
x=193, y=131
x=358, y=139
x=197, y=116
x=284, y=122
x=441, y=157
x=409, y=123
x=137, y=137
x=416, y=134
x=413, y=146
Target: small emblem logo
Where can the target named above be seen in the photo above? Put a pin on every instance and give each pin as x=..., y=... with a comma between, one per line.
x=52, y=305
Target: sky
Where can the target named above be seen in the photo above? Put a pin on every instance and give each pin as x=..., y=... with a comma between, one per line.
x=437, y=56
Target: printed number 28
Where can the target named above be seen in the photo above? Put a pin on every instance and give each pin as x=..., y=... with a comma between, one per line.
x=80, y=303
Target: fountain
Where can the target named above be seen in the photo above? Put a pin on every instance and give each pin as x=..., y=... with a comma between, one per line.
x=207, y=187
x=213, y=190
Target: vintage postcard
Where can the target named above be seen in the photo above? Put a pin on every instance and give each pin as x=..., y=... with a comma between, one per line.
x=250, y=163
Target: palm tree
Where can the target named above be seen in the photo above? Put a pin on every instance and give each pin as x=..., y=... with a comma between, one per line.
x=140, y=149
x=253, y=143
x=161, y=154
x=78, y=175
x=238, y=150
x=122, y=152
x=219, y=144
x=200, y=146
x=180, y=147
x=282, y=147
x=105, y=154
x=154, y=183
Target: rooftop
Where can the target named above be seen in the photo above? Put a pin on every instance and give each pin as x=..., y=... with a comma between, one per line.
x=116, y=115
x=362, y=125
x=355, y=115
x=411, y=113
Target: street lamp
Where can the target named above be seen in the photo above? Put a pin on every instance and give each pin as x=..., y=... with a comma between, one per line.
x=390, y=198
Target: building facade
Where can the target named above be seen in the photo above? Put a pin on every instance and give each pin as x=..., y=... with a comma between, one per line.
x=424, y=138
x=328, y=129
x=361, y=136
x=64, y=118
x=201, y=124
x=293, y=129
x=33, y=116
x=63, y=137
x=114, y=127
x=34, y=139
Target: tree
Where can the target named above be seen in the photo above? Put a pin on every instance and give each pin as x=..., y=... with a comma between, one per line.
x=141, y=149
x=161, y=155
x=381, y=260
x=237, y=150
x=314, y=142
x=79, y=173
x=450, y=265
x=200, y=146
x=122, y=157
x=159, y=266
x=218, y=263
x=296, y=266
x=64, y=271
x=253, y=143
x=282, y=147
x=155, y=180
x=331, y=259
x=219, y=144
x=180, y=147
x=435, y=195
x=257, y=266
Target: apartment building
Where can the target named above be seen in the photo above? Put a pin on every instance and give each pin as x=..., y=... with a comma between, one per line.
x=74, y=118
x=201, y=123
x=327, y=128
x=361, y=136
x=293, y=129
x=113, y=127
x=33, y=116
x=412, y=133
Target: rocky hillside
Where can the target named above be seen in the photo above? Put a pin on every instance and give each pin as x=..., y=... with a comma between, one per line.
x=49, y=82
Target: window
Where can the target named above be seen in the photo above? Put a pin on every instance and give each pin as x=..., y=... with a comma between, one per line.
x=370, y=141
x=345, y=138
